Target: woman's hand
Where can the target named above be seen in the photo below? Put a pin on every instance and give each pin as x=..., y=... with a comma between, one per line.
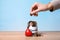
x=37, y=7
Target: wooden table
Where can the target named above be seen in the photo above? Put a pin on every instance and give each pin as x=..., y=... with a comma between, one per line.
x=19, y=35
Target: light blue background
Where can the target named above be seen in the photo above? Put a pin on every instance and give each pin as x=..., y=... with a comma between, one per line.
x=15, y=14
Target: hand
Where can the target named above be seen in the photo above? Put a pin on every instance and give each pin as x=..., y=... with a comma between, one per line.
x=37, y=7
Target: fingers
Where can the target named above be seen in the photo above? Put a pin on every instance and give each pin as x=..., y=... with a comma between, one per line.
x=32, y=8
x=35, y=14
x=35, y=11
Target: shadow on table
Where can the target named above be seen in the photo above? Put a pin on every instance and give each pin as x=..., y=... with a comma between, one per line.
x=38, y=37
